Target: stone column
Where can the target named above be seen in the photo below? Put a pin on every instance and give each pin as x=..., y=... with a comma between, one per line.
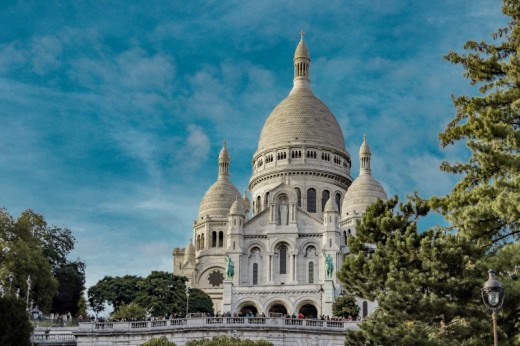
x=270, y=269
x=227, y=297
x=328, y=297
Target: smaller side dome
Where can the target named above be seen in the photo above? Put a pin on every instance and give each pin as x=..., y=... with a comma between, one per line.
x=238, y=207
x=365, y=190
x=221, y=195
x=331, y=206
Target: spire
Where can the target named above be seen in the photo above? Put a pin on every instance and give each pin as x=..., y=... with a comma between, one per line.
x=364, y=157
x=302, y=64
x=247, y=203
x=223, y=162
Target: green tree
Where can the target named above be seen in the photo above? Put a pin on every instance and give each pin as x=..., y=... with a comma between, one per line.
x=114, y=291
x=484, y=205
x=129, y=312
x=162, y=341
x=506, y=262
x=200, y=301
x=15, y=326
x=227, y=341
x=162, y=293
x=38, y=250
x=71, y=278
x=345, y=306
x=427, y=284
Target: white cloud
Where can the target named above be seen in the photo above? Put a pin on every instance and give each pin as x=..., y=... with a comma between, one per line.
x=194, y=150
x=45, y=54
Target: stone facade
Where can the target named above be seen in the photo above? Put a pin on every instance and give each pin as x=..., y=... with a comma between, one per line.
x=278, y=252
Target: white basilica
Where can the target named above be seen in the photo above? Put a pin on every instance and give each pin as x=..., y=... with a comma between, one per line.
x=279, y=252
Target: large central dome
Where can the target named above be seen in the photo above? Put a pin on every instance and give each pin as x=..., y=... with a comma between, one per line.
x=301, y=117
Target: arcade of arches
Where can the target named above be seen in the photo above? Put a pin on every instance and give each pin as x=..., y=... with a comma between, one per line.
x=277, y=309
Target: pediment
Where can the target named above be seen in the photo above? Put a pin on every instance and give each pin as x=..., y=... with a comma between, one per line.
x=261, y=219
x=307, y=222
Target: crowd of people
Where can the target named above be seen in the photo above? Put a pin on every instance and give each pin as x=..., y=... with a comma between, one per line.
x=247, y=313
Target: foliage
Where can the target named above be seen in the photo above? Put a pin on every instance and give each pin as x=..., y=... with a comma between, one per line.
x=15, y=326
x=506, y=262
x=71, y=278
x=38, y=250
x=484, y=205
x=200, y=301
x=162, y=341
x=227, y=341
x=426, y=284
x=129, y=312
x=114, y=291
x=345, y=306
x=162, y=293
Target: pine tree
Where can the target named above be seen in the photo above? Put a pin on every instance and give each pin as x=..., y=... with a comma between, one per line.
x=485, y=204
x=426, y=284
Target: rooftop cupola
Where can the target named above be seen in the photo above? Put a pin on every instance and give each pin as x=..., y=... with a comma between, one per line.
x=223, y=163
x=364, y=157
x=302, y=65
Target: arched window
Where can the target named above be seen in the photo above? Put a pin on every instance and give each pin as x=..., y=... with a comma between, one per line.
x=202, y=241
x=197, y=243
x=255, y=274
x=258, y=205
x=299, y=197
x=214, y=239
x=338, y=201
x=283, y=259
x=266, y=201
x=311, y=200
x=325, y=195
x=311, y=272
x=220, y=239
x=365, y=308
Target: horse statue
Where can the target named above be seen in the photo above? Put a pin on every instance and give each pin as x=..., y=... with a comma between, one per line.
x=329, y=266
x=230, y=267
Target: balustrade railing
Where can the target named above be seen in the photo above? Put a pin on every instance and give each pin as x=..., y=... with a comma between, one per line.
x=54, y=337
x=219, y=322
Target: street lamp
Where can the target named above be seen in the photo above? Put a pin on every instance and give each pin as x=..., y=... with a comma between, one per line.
x=29, y=282
x=187, y=300
x=11, y=278
x=493, y=297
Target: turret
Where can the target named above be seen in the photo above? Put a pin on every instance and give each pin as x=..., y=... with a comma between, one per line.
x=237, y=215
x=330, y=222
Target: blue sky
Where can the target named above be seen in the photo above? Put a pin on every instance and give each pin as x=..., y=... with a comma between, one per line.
x=112, y=113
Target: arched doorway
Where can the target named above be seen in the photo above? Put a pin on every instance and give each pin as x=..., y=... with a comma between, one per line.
x=309, y=311
x=248, y=309
x=277, y=310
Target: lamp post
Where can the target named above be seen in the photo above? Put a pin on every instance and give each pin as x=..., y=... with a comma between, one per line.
x=493, y=298
x=11, y=278
x=187, y=300
x=29, y=282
